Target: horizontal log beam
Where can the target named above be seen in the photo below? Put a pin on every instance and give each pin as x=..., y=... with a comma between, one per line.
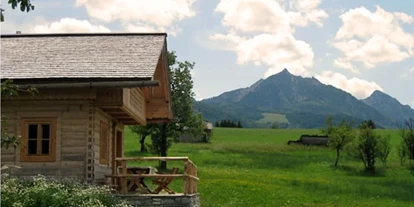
x=153, y=176
x=100, y=84
x=113, y=110
x=151, y=159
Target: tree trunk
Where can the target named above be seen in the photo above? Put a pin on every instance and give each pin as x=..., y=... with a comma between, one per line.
x=163, y=146
x=142, y=142
x=337, y=157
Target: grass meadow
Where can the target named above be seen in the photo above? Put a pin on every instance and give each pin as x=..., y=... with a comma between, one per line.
x=255, y=167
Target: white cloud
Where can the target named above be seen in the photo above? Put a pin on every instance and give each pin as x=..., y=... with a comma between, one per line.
x=307, y=11
x=355, y=86
x=276, y=51
x=340, y=63
x=404, y=17
x=261, y=32
x=138, y=15
x=410, y=72
x=68, y=25
x=373, y=38
x=254, y=16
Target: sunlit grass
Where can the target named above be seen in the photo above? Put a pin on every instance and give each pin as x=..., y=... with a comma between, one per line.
x=255, y=167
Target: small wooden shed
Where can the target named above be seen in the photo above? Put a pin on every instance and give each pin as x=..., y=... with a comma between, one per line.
x=90, y=86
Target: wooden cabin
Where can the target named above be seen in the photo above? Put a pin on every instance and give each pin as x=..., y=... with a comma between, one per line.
x=90, y=87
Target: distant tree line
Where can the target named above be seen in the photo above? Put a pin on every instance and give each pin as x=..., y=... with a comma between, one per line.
x=228, y=124
x=277, y=125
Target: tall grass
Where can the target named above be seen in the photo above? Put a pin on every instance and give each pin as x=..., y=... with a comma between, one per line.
x=255, y=167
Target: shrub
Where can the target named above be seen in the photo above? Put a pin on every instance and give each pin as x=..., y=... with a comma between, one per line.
x=384, y=148
x=402, y=153
x=42, y=192
x=369, y=146
x=339, y=136
x=366, y=148
x=407, y=134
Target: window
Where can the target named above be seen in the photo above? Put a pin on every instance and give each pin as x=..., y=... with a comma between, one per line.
x=39, y=140
x=104, y=144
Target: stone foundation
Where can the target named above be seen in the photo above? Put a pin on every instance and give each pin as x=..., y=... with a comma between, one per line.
x=177, y=200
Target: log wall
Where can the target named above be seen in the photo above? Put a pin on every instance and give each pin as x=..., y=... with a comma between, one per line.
x=71, y=143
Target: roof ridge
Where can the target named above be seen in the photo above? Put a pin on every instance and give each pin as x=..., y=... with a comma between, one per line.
x=82, y=34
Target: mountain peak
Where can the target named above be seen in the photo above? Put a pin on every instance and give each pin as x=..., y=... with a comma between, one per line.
x=286, y=71
x=378, y=92
x=389, y=106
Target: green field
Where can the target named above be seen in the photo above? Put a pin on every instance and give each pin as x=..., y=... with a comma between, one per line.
x=255, y=167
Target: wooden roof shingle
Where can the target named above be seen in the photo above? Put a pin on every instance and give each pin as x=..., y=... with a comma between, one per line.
x=83, y=56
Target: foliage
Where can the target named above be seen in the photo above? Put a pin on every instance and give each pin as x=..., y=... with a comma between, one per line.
x=228, y=124
x=10, y=90
x=42, y=192
x=339, y=136
x=407, y=134
x=384, y=148
x=143, y=131
x=402, y=152
x=275, y=125
x=25, y=5
x=369, y=146
x=329, y=126
x=162, y=138
x=368, y=123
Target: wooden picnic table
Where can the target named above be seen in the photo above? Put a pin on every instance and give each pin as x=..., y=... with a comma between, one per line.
x=138, y=183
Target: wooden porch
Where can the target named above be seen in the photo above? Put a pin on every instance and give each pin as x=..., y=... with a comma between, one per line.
x=128, y=180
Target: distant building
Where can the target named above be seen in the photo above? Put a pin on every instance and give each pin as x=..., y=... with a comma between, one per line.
x=187, y=137
x=311, y=140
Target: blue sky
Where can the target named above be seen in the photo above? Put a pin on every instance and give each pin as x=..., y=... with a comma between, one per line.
x=358, y=46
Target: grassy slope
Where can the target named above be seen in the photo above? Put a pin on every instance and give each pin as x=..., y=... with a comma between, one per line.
x=254, y=167
x=269, y=117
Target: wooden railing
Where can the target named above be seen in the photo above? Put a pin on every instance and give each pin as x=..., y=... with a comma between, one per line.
x=189, y=176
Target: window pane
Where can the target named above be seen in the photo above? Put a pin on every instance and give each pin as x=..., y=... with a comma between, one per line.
x=45, y=131
x=32, y=131
x=45, y=147
x=32, y=147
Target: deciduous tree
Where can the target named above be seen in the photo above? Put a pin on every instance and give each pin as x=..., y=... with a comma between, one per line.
x=369, y=146
x=407, y=135
x=163, y=135
x=339, y=136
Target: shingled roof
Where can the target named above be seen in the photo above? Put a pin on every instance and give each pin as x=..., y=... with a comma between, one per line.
x=81, y=56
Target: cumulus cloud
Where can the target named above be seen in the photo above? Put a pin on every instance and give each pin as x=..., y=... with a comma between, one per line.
x=341, y=63
x=373, y=38
x=261, y=32
x=254, y=16
x=139, y=15
x=355, y=86
x=68, y=25
x=273, y=50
